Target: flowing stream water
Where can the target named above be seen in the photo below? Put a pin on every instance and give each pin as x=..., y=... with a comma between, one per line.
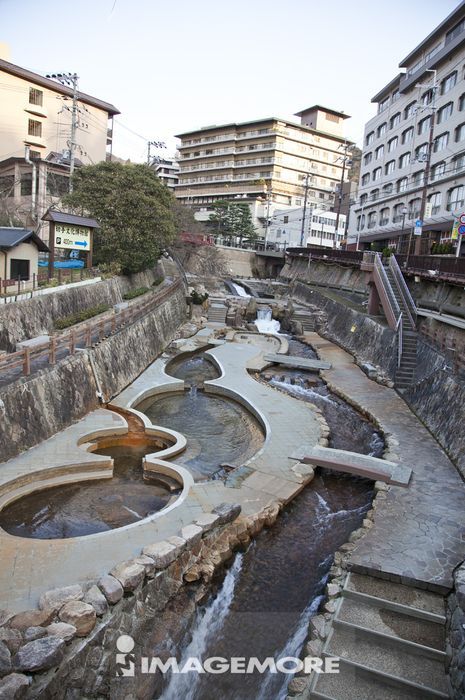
x=265, y=322
x=271, y=591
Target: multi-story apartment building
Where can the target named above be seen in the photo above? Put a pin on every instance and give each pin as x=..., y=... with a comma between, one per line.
x=263, y=162
x=319, y=228
x=167, y=171
x=35, y=133
x=414, y=148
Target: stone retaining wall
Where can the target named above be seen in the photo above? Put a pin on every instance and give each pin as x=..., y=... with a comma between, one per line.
x=359, y=334
x=34, y=408
x=328, y=273
x=455, y=631
x=27, y=319
x=68, y=648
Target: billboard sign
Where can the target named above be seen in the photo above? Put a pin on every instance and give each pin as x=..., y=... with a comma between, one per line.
x=72, y=237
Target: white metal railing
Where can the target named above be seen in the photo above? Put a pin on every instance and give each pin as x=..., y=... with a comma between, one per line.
x=404, y=291
x=399, y=340
x=389, y=296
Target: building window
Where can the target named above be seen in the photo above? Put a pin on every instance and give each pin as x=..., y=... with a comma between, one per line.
x=424, y=125
x=395, y=96
x=374, y=194
x=392, y=144
x=455, y=31
x=435, y=201
x=26, y=184
x=376, y=174
x=461, y=104
x=438, y=171
x=441, y=141
x=367, y=158
x=390, y=167
x=360, y=222
x=445, y=112
x=57, y=185
x=365, y=179
x=417, y=178
x=381, y=130
x=459, y=162
x=427, y=97
x=394, y=120
x=363, y=199
x=421, y=152
x=384, y=216
x=36, y=97
x=409, y=111
x=414, y=207
x=404, y=160
x=383, y=105
x=379, y=153
x=398, y=212
x=448, y=83
x=402, y=184
x=34, y=128
x=460, y=132
x=369, y=138
x=19, y=269
x=387, y=189
x=371, y=219
x=455, y=198
x=7, y=186
x=407, y=135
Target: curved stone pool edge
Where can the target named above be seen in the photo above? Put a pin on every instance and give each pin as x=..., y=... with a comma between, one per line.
x=39, y=565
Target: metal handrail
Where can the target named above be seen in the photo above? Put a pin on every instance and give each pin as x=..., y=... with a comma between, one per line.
x=389, y=295
x=404, y=291
x=399, y=340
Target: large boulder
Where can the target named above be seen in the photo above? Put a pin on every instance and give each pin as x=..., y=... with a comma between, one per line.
x=34, y=633
x=5, y=659
x=81, y=615
x=14, y=686
x=40, y=655
x=12, y=638
x=57, y=597
x=129, y=574
x=162, y=553
x=111, y=589
x=95, y=597
x=31, y=618
x=62, y=630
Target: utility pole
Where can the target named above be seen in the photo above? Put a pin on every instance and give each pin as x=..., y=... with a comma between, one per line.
x=71, y=80
x=424, y=192
x=155, y=144
x=341, y=185
x=302, y=230
x=268, y=199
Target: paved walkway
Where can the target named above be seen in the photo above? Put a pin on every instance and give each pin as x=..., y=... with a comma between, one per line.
x=31, y=566
x=419, y=532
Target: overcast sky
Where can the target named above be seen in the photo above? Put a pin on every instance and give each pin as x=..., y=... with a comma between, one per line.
x=174, y=65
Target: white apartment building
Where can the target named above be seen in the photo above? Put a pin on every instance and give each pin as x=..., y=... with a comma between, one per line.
x=35, y=133
x=319, y=228
x=167, y=171
x=264, y=163
x=398, y=142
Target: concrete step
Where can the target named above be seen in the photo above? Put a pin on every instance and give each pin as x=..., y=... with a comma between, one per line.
x=397, y=593
x=392, y=623
x=380, y=654
x=356, y=683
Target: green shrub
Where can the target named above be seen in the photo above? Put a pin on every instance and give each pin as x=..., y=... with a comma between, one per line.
x=158, y=280
x=135, y=293
x=197, y=298
x=79, y=316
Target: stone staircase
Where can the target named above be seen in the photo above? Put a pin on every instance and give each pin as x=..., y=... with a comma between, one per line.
x=390, y=639
x=406, y=371
x=217, y=313
x=305, y=318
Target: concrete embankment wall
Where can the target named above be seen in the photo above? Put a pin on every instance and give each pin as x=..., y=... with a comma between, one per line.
x=328, y=273
x=455, y=628
x=438, y=399
x=32, y=409
x=27, y=319
x=358, y=333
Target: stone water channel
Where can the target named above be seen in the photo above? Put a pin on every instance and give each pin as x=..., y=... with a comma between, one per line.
x=263, y=605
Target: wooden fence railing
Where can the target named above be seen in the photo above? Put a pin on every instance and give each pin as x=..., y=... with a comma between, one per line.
x=18, y=286
x=93, y=331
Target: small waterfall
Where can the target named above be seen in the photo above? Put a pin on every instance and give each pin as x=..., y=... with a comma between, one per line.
x=265, y=322
x=207, y=624
x=240, y=291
